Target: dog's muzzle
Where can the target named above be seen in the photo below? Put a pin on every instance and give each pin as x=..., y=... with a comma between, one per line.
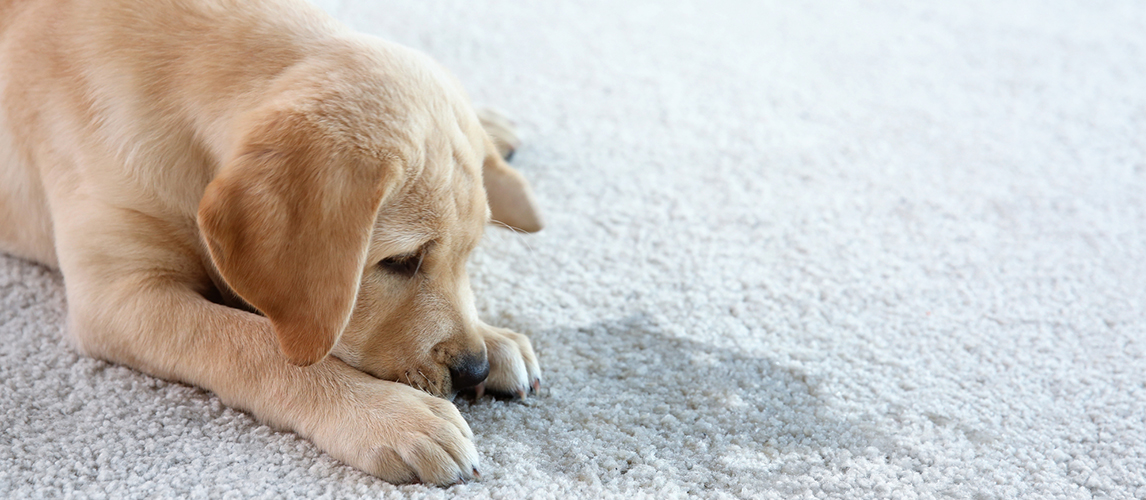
x=469, y=371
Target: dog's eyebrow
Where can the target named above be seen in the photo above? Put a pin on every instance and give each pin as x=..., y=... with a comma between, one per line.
x=404, y=239
x=402, y=242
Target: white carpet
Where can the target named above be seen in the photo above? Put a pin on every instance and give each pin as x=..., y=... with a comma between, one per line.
x=833, y=249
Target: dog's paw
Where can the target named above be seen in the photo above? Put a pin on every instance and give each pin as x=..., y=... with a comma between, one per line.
x=400, y=434
x=501, y=131
x=513, y=368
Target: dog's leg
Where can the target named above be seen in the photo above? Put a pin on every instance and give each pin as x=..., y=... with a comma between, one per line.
x=133, y=298
x=513, y=367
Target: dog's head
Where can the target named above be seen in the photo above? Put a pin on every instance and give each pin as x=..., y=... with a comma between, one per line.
x=347, y=210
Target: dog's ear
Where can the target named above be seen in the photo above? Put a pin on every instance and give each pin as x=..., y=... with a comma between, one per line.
x=288, y=223
x=510, y=198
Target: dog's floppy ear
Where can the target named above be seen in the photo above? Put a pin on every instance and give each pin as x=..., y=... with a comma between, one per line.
x=287, y=223
x=510, y=198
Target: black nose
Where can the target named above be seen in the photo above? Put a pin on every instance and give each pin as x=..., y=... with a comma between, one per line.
x=469, y=370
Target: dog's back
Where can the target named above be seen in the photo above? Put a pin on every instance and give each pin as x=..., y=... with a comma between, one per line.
x=123, y=86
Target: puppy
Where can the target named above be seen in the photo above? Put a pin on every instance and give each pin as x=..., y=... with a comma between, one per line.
x=245, y=196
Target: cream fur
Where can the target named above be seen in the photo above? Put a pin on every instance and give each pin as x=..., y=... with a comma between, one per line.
x=188, y=163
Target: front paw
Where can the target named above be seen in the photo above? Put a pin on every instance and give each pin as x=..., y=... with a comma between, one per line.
x=399, y=434
x=513, y=367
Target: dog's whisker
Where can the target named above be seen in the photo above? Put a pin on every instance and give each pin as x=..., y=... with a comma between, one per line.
x=429, y=383
x=529, y=250
x=421, y=257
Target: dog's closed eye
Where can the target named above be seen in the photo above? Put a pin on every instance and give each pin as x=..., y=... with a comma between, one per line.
x=403, y=265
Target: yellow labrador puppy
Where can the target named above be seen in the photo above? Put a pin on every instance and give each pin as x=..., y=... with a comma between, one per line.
x=245, y=196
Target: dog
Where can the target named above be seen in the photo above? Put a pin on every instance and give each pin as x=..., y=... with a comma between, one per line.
x=246, y=196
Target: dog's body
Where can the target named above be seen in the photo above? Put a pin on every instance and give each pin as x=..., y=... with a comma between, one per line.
x=235, y=189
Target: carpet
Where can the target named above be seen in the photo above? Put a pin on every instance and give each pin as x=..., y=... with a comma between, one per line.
x=848, y=249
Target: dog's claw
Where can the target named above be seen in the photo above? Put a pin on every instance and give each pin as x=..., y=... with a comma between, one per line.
x=477, y=474
x=535, y=386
